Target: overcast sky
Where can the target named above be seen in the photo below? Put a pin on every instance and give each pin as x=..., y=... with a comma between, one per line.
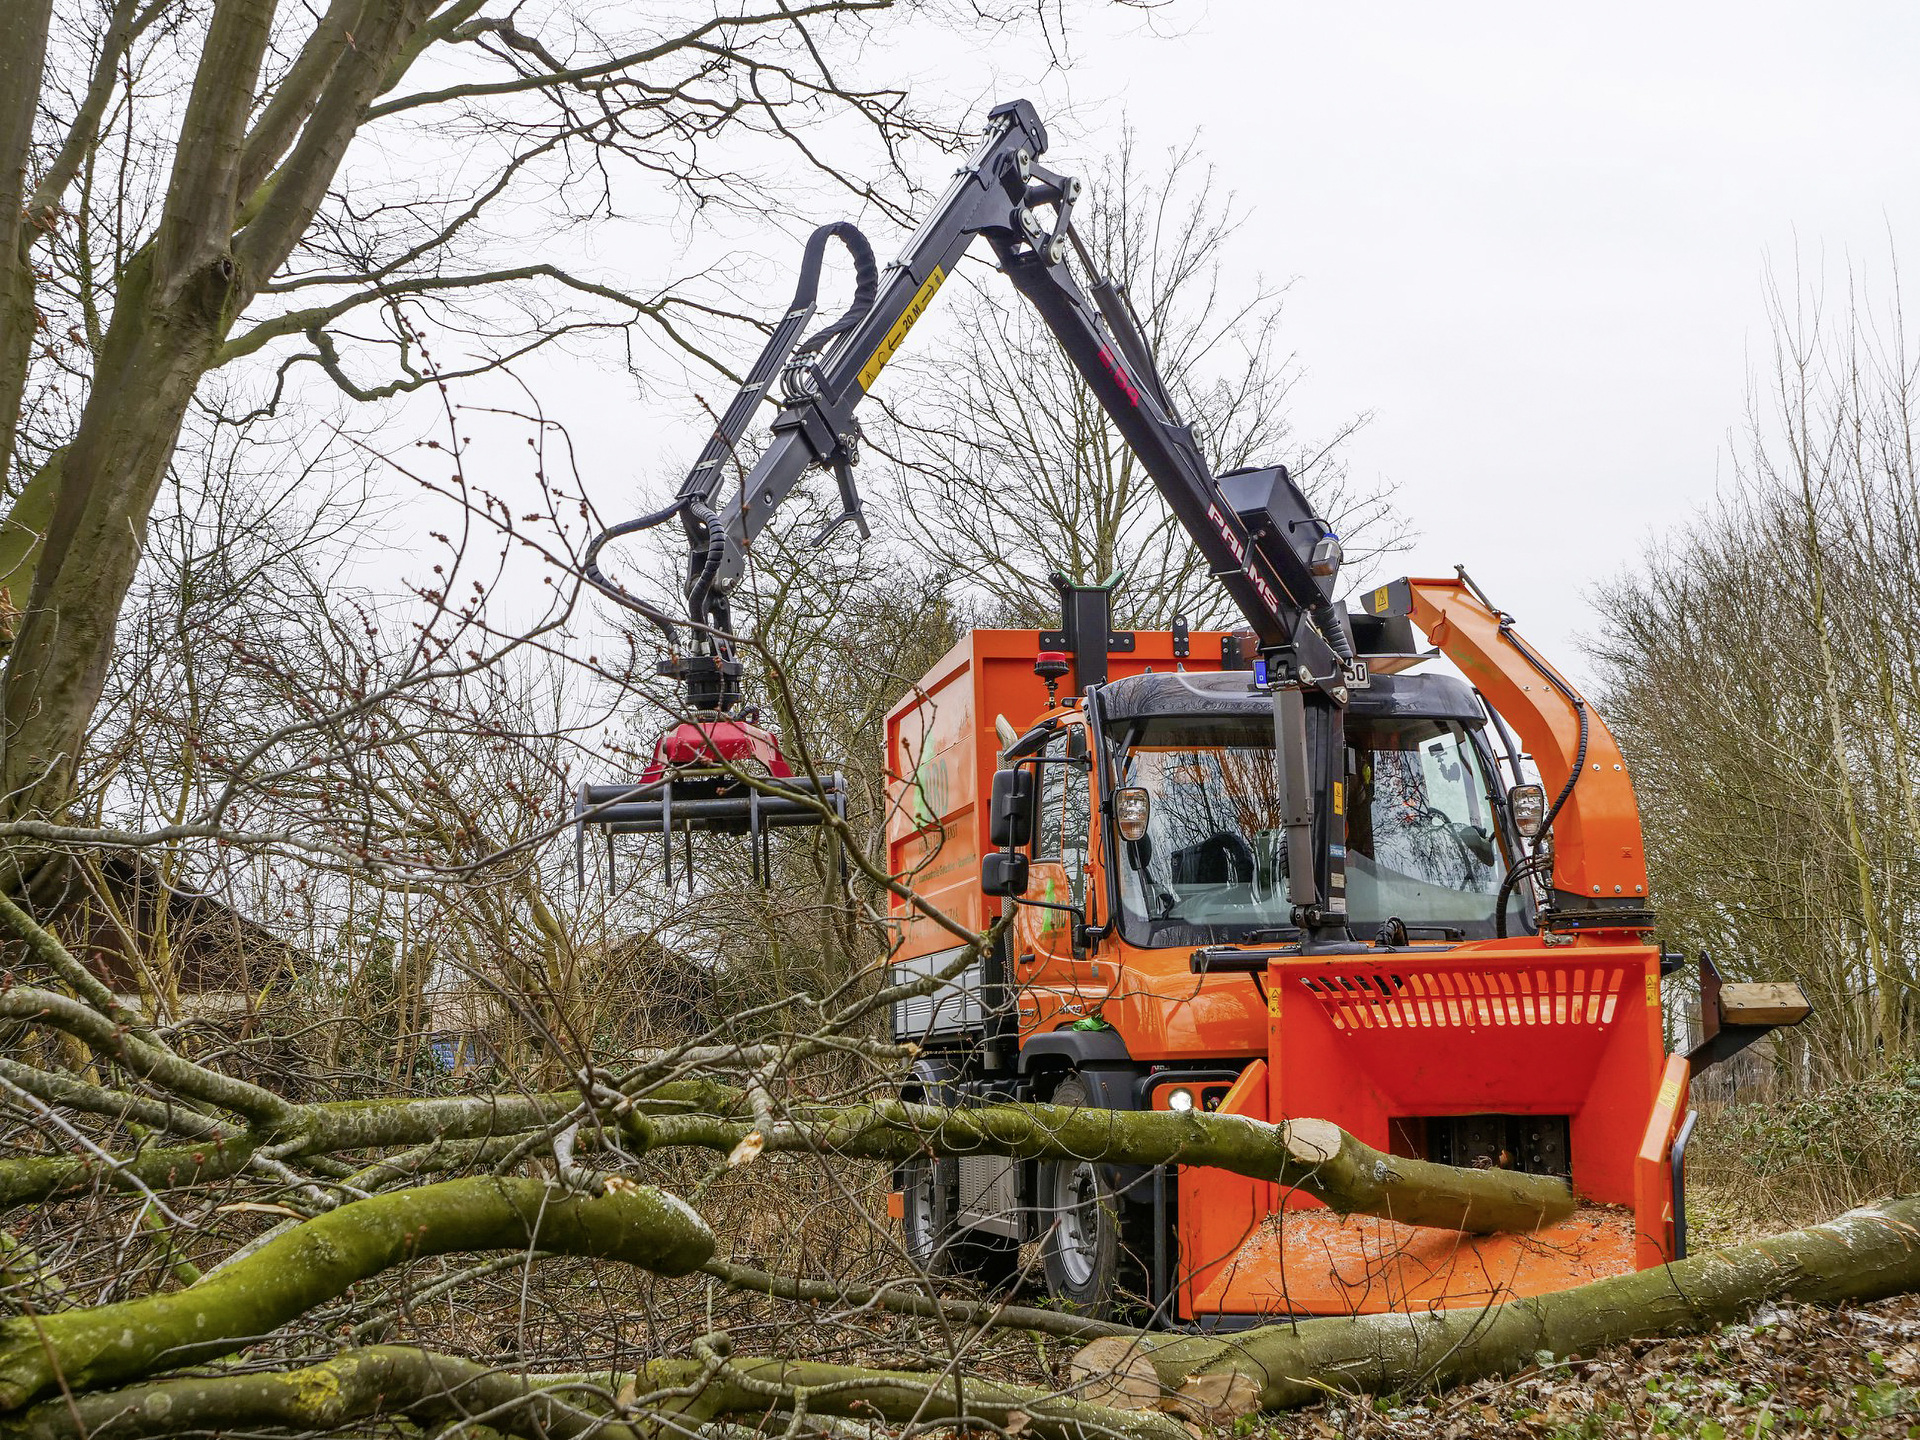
x=1531, y=241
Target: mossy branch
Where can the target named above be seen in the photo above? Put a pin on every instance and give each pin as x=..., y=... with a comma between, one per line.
x=899, y=1300
x=319, y=1260
x=1314, y=1156
x=35, y=1178
x=1865, y=1254
x=668, y=1397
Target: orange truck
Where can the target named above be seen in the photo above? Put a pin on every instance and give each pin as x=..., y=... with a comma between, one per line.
x=1495, y=1016
x=1277, y=872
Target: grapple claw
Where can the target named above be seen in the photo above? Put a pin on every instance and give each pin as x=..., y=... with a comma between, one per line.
x=720, y=774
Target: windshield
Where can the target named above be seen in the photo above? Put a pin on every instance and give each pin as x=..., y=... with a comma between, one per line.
x=1422, y=845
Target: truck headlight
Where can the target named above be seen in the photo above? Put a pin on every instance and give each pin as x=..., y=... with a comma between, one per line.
x=1180, y=1098
x=1132, y=808
x=1528, y=804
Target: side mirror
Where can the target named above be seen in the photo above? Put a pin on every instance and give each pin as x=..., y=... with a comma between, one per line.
x=1004, y=872
x=1132, y=809
x=1010, y=809
x=1528, y=806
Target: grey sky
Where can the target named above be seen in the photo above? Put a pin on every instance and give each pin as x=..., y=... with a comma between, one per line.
x=1531, y=240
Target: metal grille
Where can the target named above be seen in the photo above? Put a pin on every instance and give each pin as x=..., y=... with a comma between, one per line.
x=1464, y=999
x=956, y=1008
x=989, y=1194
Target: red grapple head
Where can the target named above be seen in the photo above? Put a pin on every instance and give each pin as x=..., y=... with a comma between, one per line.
x=694, y=743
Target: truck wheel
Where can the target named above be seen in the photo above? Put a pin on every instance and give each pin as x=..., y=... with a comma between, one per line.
x=1091, y=1247
x=927, y=1213
x=928, y=1187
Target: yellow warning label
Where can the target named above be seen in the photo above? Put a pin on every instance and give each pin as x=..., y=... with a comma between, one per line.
x=1339, y=798
x=1653, y=990
x=916, y=307
x=1669, y=1094
x=1273, y=1001
x=1380, y=601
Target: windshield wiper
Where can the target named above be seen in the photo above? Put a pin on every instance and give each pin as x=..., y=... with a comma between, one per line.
x=1271, y=933
x=1445, y=932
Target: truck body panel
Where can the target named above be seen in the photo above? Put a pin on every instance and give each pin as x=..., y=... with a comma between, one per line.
x=942, y=751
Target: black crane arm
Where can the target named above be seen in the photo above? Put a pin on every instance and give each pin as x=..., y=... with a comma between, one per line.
x=1273, y=555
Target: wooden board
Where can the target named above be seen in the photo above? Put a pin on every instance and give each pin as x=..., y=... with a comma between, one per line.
x=1763, y=1002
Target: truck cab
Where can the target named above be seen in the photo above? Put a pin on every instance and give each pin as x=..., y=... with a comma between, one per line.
x=1149, y=959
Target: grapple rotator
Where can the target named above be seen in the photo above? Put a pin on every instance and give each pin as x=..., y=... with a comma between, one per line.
x=718, y=769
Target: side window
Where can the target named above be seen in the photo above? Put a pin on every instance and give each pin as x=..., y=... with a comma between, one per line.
x=1051, y=783
x=1065, y=816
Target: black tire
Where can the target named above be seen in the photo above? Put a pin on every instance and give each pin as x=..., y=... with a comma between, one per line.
x=1098, y=1245
x=929, y=1188
x=926, y=1220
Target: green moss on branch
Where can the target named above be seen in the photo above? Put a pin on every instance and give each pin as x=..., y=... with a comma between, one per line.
x=1313, y=1155
x=37, y=1178
x=670, y=1397
x=1865, y=1254
x=320, y=1259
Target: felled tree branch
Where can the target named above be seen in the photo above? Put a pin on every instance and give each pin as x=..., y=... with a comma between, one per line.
x=35, y=1178
x=1314, y=1156
x=1863, y=1255
x=318, y=1260
x=902, y=1301
x=428, y=1387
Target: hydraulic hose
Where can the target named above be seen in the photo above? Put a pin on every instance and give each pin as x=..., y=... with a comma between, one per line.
x=866, y=282
x=695, y=497
x=1327, y=619
x=702, y=583
x=590, y=569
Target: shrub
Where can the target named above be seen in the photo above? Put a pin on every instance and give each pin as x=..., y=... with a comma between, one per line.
x=1793, y=1159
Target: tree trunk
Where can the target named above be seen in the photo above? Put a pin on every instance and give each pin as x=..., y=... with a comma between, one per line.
x=1865, y=1254
x=23, y=47
x=175, y=303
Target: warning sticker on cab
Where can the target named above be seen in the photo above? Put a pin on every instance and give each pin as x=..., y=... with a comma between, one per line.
x=916, y=307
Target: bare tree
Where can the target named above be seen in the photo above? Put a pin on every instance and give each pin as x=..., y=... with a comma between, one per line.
x=200, y=189
x=1763, y=669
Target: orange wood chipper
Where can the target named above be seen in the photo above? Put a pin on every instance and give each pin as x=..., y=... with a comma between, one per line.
x=1503, y=1009
x=1277, y=871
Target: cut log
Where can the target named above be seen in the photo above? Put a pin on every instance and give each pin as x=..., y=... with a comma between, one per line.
x=1419, y=1192
x=1866, y=1254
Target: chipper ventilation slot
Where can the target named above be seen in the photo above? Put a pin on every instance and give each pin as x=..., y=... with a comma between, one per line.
x=1365, y=1000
